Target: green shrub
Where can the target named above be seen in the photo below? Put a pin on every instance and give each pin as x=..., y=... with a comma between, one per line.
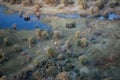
x=45, y=35
x=77, y=35
x=12, y=1
x=57, y=34
x=31, y=41
x=83, y=4
x=36, y=62
x=94, y=73
x=38, y=33
x=1, y=55
x=67, y=43
x=16, y=48
x=7, y=41
x=94, y=10
x=51, y=52
x=78, y=43
x=63, y=76
x=99, y=4
x=37, y=75
x=3, y=78
x=39, y=59
x=83, y=59
x=83, y=42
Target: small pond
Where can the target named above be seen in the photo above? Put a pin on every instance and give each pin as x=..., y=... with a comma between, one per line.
x=7, y=20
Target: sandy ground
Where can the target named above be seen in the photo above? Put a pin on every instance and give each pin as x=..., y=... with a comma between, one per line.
x=47, y=9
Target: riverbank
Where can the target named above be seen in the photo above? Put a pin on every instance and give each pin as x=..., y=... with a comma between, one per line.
x=45, y=9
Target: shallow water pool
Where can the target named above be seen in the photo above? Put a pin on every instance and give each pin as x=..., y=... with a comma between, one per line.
x=7, y=20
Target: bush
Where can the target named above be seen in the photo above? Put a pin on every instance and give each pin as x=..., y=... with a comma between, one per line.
x=36, y=62
x=16, y=48
x=77, y=35
x=94, y=73
x=57, y=34
x=61, y=57
x=31, y=41
x=71, y=25
x=94, y=10
x=29, y=2
x=84, y=42
x=41, y=58
x=112, y=5
x=91, y=10
x=63, y=1
x=67, y=43
x=37, y=14
x=78, y=42
x=45, y=35
x=12, y=1
x=114, y=1
x=38, y=33
x=3, y=78
x=7, y=41
x=83, y=59
x=105, y=14
x=83, y=4
x=51, y=70
x=50, y=52
x=49, y=1
x=63, y=76
x=81, y=42
x=37, y=75
x=99, y=4
x=36, y=8
x=1, y=55
x=24, y=3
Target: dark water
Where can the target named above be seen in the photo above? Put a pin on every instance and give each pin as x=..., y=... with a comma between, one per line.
x=111, y=16
x=7, y=20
